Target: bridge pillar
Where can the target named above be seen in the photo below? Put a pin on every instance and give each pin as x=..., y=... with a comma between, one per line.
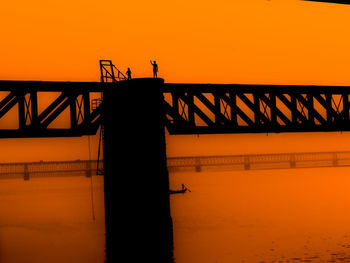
x=136, y=183
x=88, y=171
x=26, y=172
x=198, y=166
x=246, y=163
x=335, y=159
x=292, y=160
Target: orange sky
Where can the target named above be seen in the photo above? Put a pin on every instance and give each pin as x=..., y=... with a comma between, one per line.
x=256, y=41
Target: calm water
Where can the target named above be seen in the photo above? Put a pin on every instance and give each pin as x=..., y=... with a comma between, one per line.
x=49, y=220
x=296, y=215
x=299, y=215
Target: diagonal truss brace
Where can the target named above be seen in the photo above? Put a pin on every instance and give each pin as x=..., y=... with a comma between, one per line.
x=226, y=108
x=22, y=97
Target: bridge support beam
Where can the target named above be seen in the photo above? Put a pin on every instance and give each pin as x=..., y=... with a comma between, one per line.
x=26, y=172
x=137, y=208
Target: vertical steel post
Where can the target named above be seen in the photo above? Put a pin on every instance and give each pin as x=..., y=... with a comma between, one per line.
x=310, y=109
x=86, y=99
x=293, y=108
x=73, y=110
x=190, y=107
x=257, y=113
x=273, y=110
x=21, y=109
x=34, y=108
x=233, y=108
x=345, y=106
x=329, y=107
x=217, y=107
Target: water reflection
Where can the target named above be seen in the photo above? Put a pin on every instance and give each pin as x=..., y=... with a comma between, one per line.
x=50, y=220
x=262, y=216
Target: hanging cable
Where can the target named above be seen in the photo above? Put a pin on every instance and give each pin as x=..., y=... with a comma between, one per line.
x=91, y=183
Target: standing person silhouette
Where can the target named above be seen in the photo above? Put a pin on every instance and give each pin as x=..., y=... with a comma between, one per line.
x=128, y=73
x=155, y=69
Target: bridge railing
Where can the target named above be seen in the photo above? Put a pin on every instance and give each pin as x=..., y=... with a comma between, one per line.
x=29, y=170
x=260, y=161
x=87, y=168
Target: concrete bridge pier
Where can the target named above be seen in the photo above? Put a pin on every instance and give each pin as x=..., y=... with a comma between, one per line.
x=137, y=208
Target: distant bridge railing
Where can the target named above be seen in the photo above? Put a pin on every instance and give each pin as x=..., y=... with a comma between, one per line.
x=27, y=170
x=260, y=161
x=87, y=168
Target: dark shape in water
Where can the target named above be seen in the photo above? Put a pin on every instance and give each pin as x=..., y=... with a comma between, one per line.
x=182, y=191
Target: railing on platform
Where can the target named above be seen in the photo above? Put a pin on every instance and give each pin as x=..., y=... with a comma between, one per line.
x=110, y=73
x=260, y=161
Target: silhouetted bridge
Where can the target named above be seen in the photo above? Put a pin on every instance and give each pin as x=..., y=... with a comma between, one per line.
x=135, y=114
x=29, y=170
x=187, y=108
x=220, y=108
x=260, y=161
x=33, y=114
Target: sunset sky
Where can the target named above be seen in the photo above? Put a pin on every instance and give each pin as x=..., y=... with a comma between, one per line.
x=240, y=41
x=193, y=41
x=256, y=41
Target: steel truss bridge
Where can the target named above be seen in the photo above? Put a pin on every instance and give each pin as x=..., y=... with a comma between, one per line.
x=137, y=111
x=187, y=108
x=219, y=108
x=25, y=102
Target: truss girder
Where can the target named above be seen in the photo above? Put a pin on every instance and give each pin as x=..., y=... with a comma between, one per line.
x=22, y=96
x=216, y=108
x=188, y=108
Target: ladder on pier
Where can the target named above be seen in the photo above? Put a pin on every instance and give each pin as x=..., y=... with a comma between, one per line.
x=110, y=73
x=95, y=103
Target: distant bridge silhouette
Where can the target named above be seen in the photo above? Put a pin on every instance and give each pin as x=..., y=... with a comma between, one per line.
x=27, y=170
x=260, y=161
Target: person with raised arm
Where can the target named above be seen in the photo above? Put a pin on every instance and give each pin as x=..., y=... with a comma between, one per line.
x=155, y=68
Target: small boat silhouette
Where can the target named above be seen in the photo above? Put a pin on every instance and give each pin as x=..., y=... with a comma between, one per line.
x=183, y=190
x=178, y=191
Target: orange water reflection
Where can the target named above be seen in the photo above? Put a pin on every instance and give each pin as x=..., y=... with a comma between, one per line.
x=50, y=220
x=296, y=215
